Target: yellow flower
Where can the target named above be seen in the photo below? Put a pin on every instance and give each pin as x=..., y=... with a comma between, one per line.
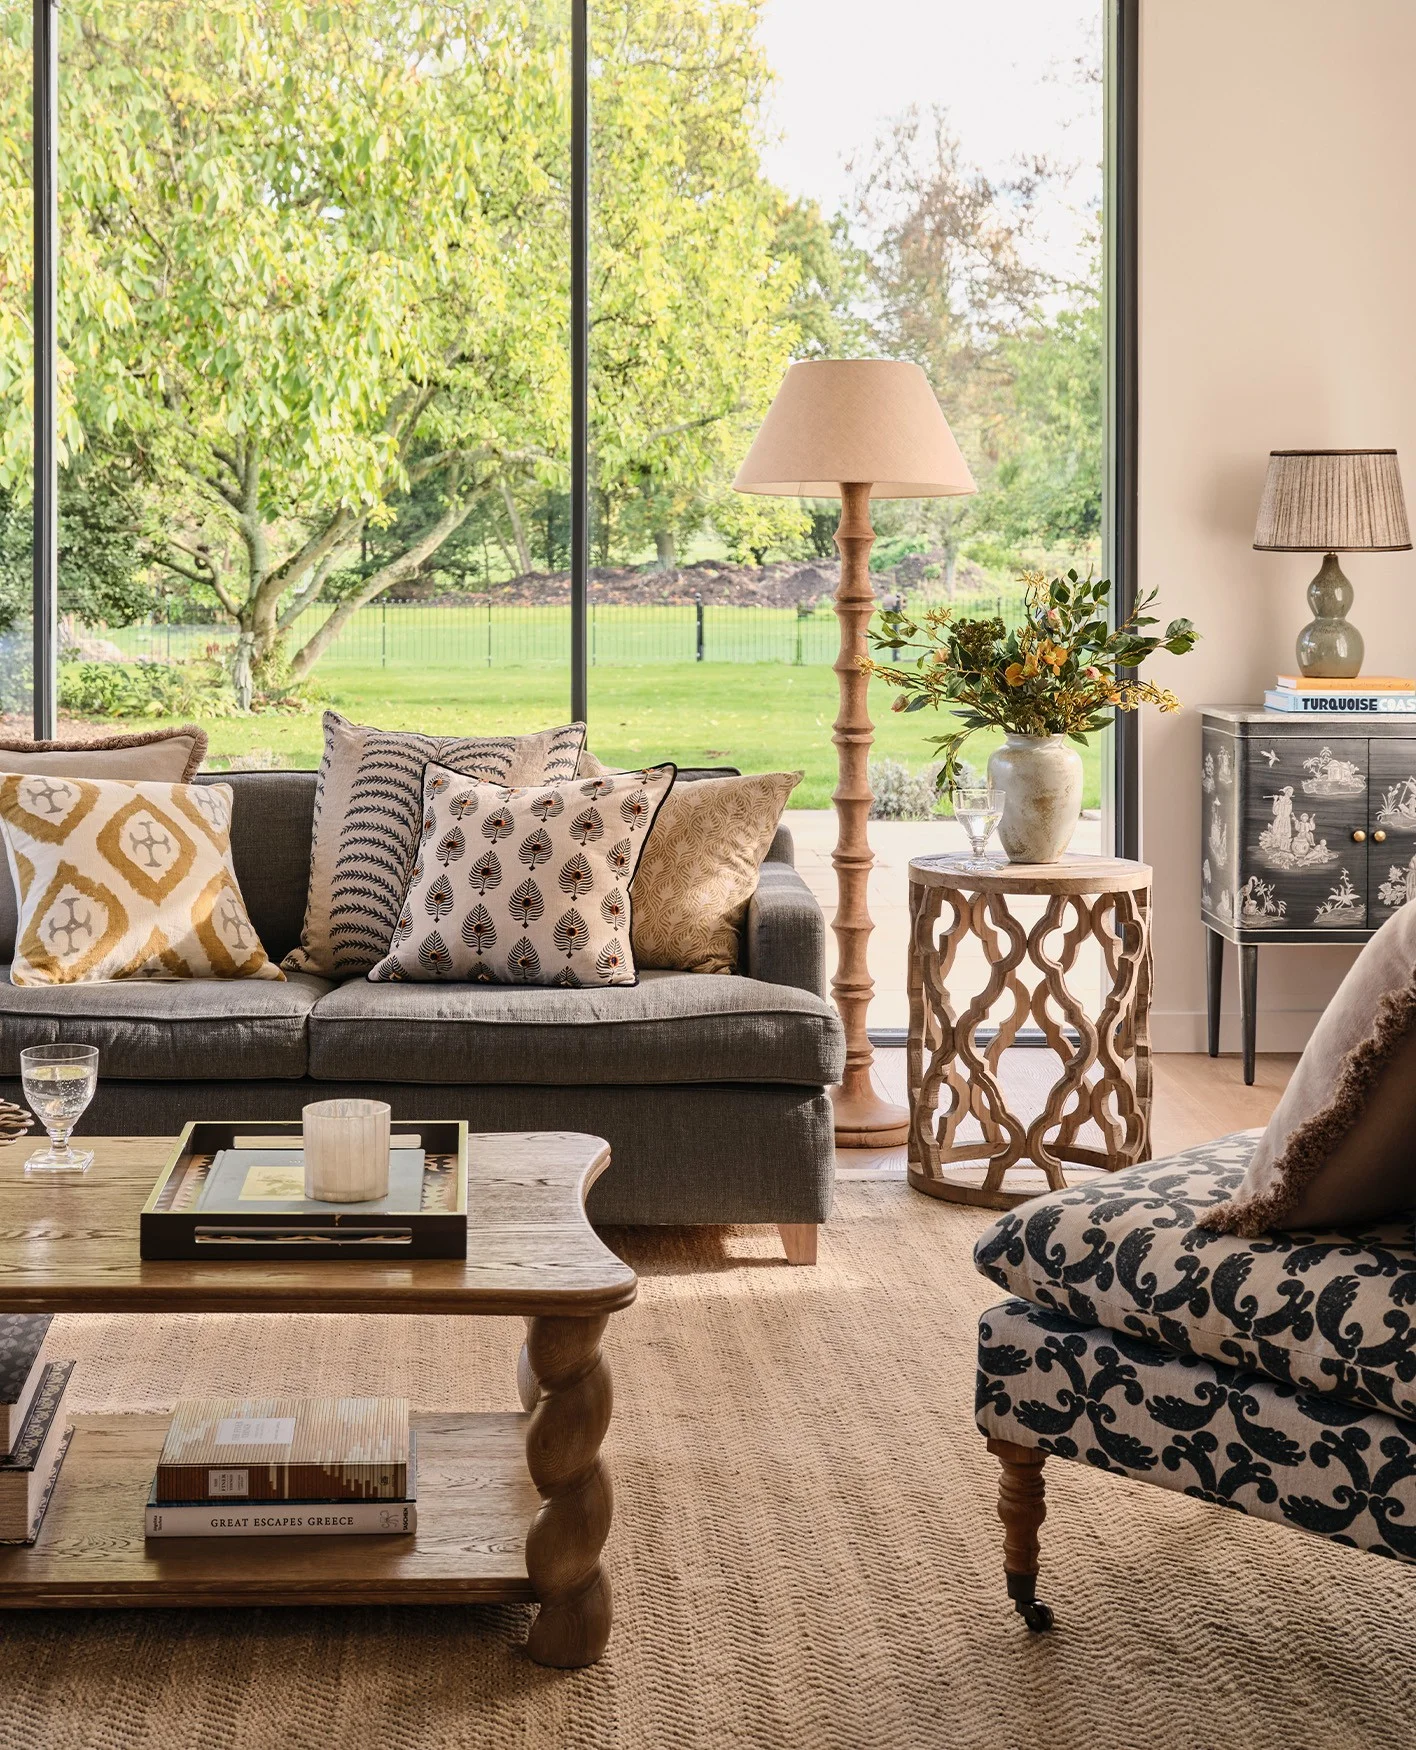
x=1055, y=655
x=1013, y=674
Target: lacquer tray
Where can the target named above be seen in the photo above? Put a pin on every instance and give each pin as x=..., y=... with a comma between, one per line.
x=179, y=1219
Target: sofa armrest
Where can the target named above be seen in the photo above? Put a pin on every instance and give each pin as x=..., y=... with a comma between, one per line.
x=784, y=941
x=782, y=849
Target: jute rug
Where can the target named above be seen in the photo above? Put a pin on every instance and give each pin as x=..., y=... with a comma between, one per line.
x=805, y=1551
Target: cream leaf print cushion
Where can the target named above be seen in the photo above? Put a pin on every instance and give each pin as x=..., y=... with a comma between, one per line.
x=525, y=885
x=122, y=879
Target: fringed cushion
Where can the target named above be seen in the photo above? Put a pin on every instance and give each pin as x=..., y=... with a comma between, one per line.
x=1338, y=1147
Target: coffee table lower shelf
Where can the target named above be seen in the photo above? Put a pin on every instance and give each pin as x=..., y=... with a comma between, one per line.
x=476, y=1502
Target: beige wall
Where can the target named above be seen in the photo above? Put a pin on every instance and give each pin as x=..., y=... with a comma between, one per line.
x=1277, y=296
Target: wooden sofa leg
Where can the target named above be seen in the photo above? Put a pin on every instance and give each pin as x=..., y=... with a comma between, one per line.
x=798, y=1241
x=1022, y=1508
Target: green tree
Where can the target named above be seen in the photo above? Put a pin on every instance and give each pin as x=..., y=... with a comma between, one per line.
x=1047, y=486
x=951, y=282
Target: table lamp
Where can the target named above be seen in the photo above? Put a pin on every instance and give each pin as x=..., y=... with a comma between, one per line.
x=847, y=428
x=1331, y=502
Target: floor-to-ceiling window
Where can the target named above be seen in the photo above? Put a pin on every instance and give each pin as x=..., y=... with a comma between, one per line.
x=313, y=330
x=315, y=373
x=16, y=365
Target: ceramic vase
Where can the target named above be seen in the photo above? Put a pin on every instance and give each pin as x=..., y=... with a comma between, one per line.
x=1041, y=780
x=346, y=1150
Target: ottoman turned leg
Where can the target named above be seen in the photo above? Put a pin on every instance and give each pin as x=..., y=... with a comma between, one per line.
x=1022, y=1508
x=570, y=1412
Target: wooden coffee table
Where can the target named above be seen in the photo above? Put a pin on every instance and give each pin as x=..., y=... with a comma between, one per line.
x=512, y=1506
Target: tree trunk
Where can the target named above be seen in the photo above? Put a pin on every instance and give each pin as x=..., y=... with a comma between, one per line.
x=518, y=529
x=951, y=566
x=242, y=663
x=395, y=571
x=665, y=549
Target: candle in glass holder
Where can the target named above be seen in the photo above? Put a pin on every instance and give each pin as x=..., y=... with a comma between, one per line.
x=346, y=1150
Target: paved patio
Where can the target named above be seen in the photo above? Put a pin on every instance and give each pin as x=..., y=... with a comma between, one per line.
x=894, y=843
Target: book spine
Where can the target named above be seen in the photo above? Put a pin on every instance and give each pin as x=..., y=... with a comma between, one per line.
x=1342, y=704
x=324, y=1519
x=1359, y=684
x=281, y=1482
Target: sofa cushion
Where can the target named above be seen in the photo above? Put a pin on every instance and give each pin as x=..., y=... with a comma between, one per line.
x=1330, y=1312
x=169, y=1030
x=670, y=1027
x=368, y=812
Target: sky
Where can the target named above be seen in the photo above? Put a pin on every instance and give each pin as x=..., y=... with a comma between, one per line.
x=1003, y=68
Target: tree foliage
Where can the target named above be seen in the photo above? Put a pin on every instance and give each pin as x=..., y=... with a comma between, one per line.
x=315, y=290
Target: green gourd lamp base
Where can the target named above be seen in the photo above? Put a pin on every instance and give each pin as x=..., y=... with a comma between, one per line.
x=1330, y=646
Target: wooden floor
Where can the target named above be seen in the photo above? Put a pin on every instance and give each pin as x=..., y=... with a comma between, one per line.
x=1196, y=1099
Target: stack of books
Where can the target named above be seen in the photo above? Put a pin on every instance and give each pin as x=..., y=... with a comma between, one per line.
x=286, y=1467
x=34, y=1428
x=1364, y=695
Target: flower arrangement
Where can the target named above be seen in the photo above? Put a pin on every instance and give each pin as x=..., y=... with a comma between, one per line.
x=1061, y=672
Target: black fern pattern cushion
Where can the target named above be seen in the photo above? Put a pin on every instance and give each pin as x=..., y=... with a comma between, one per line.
x=527, y=884
x=1327, y=1313
x=368, y=814
x=1200, y=1427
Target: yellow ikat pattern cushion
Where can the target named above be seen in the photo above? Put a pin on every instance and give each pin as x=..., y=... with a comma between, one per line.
x=122, y=879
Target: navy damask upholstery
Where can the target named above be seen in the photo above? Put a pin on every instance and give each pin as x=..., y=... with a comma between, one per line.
x=1327, y=1313
x=1217, y=1433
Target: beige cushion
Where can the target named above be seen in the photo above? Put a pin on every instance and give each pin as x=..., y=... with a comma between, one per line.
x=1338, y=1148
x=700, y=869
x=368, y=812
x=125, y=880
x=169, y=756
x=526, y=885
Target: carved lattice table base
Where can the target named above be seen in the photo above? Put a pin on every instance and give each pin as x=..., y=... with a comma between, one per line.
x=1105, y=1073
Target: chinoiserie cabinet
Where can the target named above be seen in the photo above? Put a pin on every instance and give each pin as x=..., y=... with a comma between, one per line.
x=1309, y=836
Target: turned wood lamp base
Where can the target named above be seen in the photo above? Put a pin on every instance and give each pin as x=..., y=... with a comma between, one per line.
x=863, y=1119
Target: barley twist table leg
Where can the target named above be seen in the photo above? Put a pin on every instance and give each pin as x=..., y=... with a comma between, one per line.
x=569, y=1418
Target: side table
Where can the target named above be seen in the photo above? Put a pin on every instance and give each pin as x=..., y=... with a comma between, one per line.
x=1105, y=1071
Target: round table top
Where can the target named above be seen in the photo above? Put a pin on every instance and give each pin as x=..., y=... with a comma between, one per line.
x=1072, y=873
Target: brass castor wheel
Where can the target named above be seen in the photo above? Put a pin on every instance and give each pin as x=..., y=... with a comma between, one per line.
x=1022, y=1589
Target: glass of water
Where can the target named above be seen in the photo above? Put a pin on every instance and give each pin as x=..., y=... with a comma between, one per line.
x=978, y=810
x=59, y=1081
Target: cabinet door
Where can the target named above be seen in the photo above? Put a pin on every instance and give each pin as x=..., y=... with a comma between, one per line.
x=1392, y=863
x=1302, y=868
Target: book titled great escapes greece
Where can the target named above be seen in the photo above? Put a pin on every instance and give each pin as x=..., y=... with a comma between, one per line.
x=285, y=1449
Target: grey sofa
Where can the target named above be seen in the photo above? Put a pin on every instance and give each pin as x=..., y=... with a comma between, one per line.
x=711, y=1091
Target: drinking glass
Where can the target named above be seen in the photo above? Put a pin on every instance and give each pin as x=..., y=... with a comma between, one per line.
x=978, y=810
x=59, y=1081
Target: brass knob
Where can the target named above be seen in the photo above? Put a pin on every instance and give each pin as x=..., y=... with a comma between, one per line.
x=1359, y=837
x=1379, y=837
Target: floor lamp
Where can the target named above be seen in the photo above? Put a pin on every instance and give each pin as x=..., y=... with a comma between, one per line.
x=850, y=429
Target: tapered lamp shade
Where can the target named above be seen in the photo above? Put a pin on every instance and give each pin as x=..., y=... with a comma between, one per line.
x=1332, y=501
x=858, y=421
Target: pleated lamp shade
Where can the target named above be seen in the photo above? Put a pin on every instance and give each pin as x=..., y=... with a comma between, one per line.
x=1332, y=501
x=855, y=421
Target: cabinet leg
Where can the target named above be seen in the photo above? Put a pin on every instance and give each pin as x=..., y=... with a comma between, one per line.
x=1214, y=985
x=1249, y=1005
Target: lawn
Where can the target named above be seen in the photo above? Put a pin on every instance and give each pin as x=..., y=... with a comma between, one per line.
x=757, y=716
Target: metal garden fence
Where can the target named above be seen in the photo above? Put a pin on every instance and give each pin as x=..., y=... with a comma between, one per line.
x=495, y=634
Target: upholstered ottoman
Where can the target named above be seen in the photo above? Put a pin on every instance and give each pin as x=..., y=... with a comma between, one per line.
x=1274, y=1375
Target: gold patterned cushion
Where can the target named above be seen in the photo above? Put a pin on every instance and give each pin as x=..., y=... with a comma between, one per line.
x=124, y=880
x=700, y=869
